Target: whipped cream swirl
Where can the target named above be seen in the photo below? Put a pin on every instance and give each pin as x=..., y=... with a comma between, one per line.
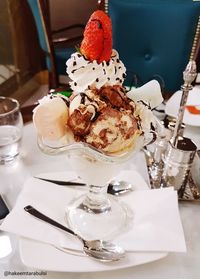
x=85, y=73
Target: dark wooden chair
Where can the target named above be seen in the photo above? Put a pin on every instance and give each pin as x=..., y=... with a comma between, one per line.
x=56, y=47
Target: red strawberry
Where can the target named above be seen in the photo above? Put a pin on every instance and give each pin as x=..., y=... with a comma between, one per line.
x=92, y=44
x=97, y=42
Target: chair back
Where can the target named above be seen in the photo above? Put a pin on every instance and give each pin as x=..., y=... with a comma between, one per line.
x=39, y=10
x=156, y=38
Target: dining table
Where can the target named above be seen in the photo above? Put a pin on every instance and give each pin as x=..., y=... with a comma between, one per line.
x=32, y=161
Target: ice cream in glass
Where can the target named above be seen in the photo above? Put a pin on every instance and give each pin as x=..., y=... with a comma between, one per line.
x=99, y=126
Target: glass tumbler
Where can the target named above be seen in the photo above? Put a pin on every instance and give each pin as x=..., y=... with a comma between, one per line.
x=11, y=125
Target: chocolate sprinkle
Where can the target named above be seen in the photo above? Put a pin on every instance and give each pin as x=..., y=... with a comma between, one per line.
x=74, y=63
x=97, y=80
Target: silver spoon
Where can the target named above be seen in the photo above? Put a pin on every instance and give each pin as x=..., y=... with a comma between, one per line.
x=99, y=249
x=114, y=187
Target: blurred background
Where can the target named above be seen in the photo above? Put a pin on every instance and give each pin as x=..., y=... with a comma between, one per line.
x=23, y=73
x=27, y=68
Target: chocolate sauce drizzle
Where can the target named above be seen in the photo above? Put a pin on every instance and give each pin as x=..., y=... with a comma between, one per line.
x=84, y=97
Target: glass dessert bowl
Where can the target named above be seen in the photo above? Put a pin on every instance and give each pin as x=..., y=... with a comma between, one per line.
x=94, y=214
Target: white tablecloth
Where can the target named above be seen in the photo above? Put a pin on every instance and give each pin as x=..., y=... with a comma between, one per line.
x=32, y=161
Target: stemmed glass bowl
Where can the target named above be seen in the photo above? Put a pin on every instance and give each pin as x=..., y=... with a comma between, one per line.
x=95, y=214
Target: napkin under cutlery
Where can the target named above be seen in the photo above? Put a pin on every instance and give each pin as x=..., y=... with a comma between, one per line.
x=156, y=222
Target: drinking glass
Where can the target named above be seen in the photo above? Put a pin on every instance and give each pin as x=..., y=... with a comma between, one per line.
x=11, y=125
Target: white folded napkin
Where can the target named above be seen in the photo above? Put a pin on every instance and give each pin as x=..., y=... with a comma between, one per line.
x=156, y=222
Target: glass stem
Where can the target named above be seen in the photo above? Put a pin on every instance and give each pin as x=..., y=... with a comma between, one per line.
x=97, y=200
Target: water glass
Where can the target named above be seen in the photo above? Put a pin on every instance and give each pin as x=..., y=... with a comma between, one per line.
x=11, y=125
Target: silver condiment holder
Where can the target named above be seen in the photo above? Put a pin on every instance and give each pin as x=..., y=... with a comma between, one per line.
x=174, y=155
x=189, y=76
x=177, y=164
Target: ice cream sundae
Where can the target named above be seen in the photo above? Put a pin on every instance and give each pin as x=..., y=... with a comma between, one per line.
x=99, y=112
x=98, y=122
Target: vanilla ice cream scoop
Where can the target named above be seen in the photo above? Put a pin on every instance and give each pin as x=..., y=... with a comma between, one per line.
x=50, y=118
